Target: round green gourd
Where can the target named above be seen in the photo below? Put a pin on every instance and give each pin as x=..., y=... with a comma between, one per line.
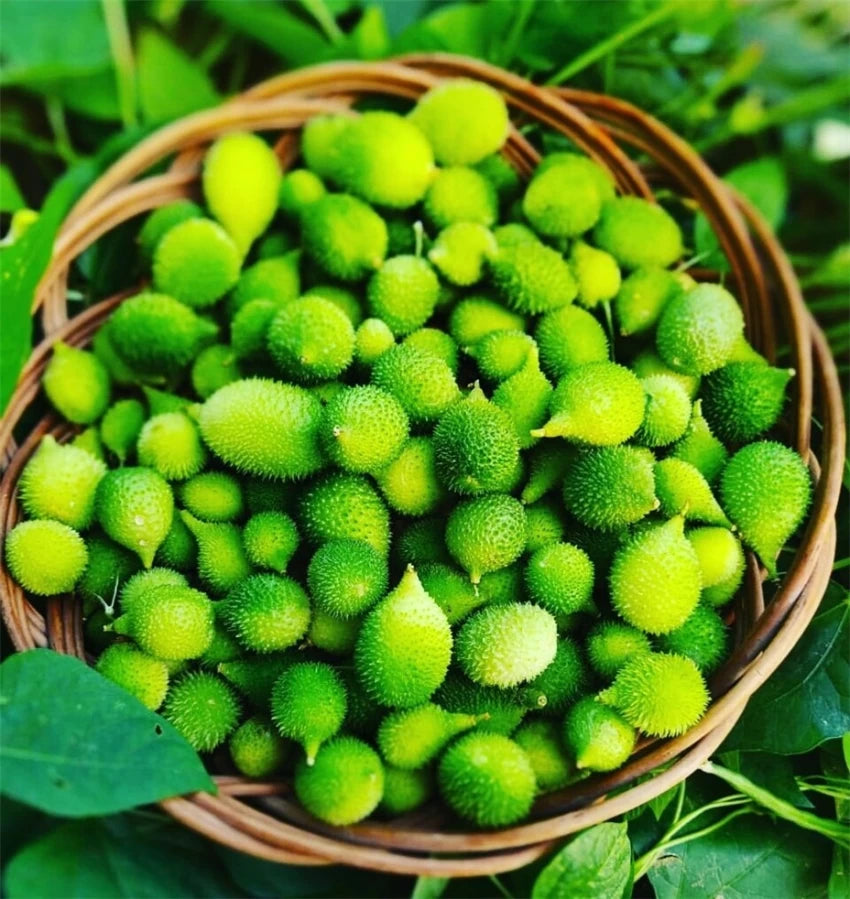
x=486, y=533
x=266, y=612
x=346, y=577
x=77, y=384
x=204, y=708
x=45, y=557
x=638, y=233
x=142, y=675
x=171, y=445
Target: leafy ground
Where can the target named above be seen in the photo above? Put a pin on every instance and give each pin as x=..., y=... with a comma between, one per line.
x=761, y=89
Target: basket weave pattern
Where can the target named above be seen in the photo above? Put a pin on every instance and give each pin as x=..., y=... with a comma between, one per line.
x=261, y=818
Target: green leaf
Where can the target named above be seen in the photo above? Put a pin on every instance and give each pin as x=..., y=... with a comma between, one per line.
x=748, y=859
x=296, y=43
x=73, y=743
x=11, y=198
x=597, y=864
x=21, y=267
x=429, y=887
x=473, y=30
x=834, y=271
x=807, y=700
x=370, y=37
x=125, y=857
x=170, y=83
x=42, y=44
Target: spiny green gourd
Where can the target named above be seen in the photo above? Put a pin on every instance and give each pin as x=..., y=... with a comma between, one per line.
x=171, y=445
x=548, y=464
x=503, y=585
x=561, y=201
x=655, y=578
x=179, y=549
x=501, y=354
x=609, y=487
x=276, y=279
x=120, y=427
x=642, y=298
x=409, y=483
x=661, y=694
x=525, y=397
x=256, y=748
x=403, y=293
x=339, y=506
x=344, y=236
x=487, y=779
x=405, y=790
x=346, y=299
x=255, y=675
x=157, y=335
x=638, y=233
x=346, y=577
x=222, y=562
x=502, y=175
x=610, y=644
x=404, y=646
x=699, y=328
x=421, y=540
x=410, y=738
x=742, y=400
x=542, y=744
x=486, y=533
x=204, y=708
x=514, y=233
x=600, y=176
x=505, y=645
x=143, y=582
x=450, y=589
x=500, y=711
x=320, y=143
x=668, y=411
x=45, y=557
x=766, y=490
x=334, y=635
x=142, y=675
x=596, y=273
x=344, y=785
x=224, y=647
x=597, y=737
x=311, y=339
x=475, y=447
x=308, y=705
x=161, y=401
x=422, y=383
x=683, y=490
x=567, y=338
x=532, y=278
x=600, y=403
x=134, y=506
x=120, y=373
x=299, y=188
x=383, y=158
x=721, y=560
x=108, y=567
x=196, y=262
x=214, y=367
x=464, y=120
x=212, y=496
x=460, y=194
x=263, y=495
x=170, y=622
x=60, y=482
x=699, y=447
x=460, y=252
x=363, y=429
x=473, y=318
x=77, y=384
x=648, y=362
x=544, y=524
x=270, y=539
x=703, y=638
x=266, y=612
x=241, y=180
x=437, y=343
x=265, y=428
x=162, y=220
x=371, y=339
x=559, y=578
x=89, y=440
x=560, y=682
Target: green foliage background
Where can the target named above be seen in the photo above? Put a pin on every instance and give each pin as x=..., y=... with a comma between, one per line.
x=762, y=89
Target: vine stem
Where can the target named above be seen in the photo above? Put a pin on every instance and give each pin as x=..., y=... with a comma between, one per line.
x=115, y=17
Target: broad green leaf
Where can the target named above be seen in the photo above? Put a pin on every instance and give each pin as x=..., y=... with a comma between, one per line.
x=429, y=887
x=295, y=42
x=11, y=198
x=47, y=42
x=170, y=83
x=73, y=743
x=473, y=30
x=21, y=267
x=834, y=271
x=124, y=857
x=370, y=37
x=773, y=772
x=807, y=700
x=95, y=96
x=597, y=864
x=750, y=858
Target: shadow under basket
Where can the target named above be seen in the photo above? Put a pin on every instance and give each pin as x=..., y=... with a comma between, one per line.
x=262, y=818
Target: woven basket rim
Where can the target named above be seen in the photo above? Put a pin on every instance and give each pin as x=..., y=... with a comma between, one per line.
x=597, y=124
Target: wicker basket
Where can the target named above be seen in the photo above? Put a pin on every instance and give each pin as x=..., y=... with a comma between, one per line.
x=260, y=818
